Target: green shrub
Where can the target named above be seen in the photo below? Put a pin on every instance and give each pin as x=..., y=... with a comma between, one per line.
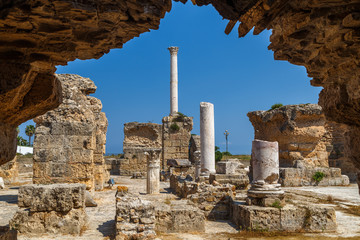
x=318, y=176
x=226, y=153
x=218, y=154
x=276, y=105
x=179, y=117
x=174, y=127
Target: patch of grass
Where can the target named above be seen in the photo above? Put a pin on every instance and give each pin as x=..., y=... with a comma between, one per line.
x=276, y=204
x=318, y=176
x=276, y=105
x=174, y=127
x=179, y=117
x=167, y=201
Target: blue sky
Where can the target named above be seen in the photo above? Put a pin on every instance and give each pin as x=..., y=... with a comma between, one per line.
x=237, y=75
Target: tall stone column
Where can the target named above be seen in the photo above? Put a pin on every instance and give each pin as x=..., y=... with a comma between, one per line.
x=153, y=171
x=265, y=189
x=207, y=138
x=173, y=80
x=197, y=158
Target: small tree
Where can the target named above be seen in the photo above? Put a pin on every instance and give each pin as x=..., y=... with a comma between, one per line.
x=30, y=131
x=218, y=154
x=21, y=141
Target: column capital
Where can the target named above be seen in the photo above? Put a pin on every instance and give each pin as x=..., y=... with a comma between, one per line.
x=173, y=50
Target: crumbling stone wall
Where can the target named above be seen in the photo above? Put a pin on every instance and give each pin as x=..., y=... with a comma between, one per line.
x=320, y=35
x=213, y=199
x=337, y=141
x=38, y=35
x=135, y=217
x=70, y=141
x=10, y=171
x=176, y=133
x=55, y=209
x=299, y=130
x=304, y=134
x=138, y=138
x=194, y=146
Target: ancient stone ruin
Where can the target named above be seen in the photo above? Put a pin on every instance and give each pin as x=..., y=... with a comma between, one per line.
x=194, y=146
x=305, y=142
x=54, y=208
x=70, y=140
x=265, y=206
x=175, y=138
x=323, y=36
x=138, y=139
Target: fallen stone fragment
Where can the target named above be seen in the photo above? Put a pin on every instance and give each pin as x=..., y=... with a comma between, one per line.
x=2, y=185
x=89, y=201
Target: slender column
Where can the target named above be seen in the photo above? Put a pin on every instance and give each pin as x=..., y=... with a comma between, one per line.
x=173, y=80
x=207, y=138
x=153, y=171
x=197, y=156
x=265, y=189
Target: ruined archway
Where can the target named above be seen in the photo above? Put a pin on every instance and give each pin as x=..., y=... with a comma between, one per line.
x=37, y=36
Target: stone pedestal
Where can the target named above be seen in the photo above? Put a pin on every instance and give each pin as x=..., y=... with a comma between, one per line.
x=153, y=171
x=207, y=138
x=265, y=190
x=173, y=80
x=197, y=156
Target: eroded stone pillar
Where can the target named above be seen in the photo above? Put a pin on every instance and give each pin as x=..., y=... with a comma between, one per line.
x=265, y=189
x=197, y=156
x=173, y=80
x=207, y=138
x=153, y=171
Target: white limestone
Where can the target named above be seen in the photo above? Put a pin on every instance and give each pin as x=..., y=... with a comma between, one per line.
x=2, y=184
x=207, y=138
x=173, y=80
x=265, y=161
x=153, y=172
x=265, y=189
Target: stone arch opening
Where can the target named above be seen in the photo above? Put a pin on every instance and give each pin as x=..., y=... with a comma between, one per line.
x=37, y=36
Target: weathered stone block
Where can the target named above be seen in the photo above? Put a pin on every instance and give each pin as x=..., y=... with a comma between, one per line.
x=179, y=216
x=309, y=218
x=292, y=177
x=239, y=180
x=70, y=222
x=134, y=216
x=54, y=197
x=230, y=166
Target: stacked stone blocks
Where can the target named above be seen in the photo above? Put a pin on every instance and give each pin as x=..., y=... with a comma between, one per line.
x=175, y=140
x=70, y=140
x=56, y=208
x=135, y=217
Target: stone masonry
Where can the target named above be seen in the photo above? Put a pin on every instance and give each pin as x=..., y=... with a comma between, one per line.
x=10, y=171
x=337, y=158
x=299, y=130
x=176, y=133
x=135, y=217
x=70, y=141
x=194, y=146
x=54, y=208
x=306, y=139
x=139, y=138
